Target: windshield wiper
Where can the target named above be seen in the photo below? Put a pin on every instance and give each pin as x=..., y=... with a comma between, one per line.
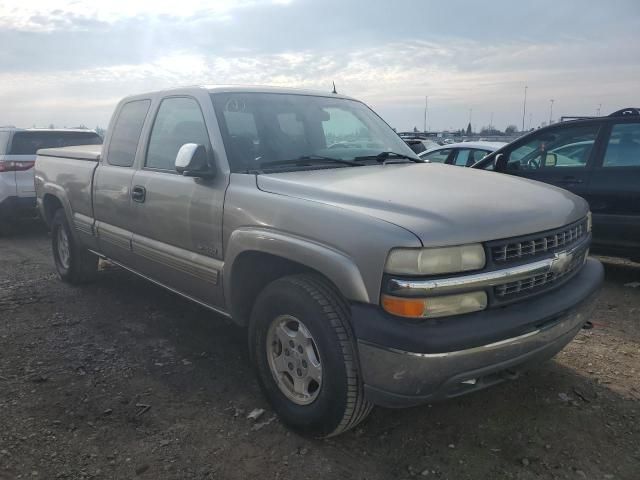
x=384, y=156
x=309, y=161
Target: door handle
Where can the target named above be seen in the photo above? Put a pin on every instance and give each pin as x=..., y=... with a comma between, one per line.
x=138, y=193
x=570, y=180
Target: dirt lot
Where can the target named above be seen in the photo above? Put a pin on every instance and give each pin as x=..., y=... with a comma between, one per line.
x=121, y=379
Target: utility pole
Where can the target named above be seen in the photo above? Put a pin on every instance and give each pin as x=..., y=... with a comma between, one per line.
x=426, y=109
x=598, y=111
x=551, y=110
x=524, y=106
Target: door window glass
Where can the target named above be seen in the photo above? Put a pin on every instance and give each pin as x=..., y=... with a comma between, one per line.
x=623, y=149
x=179, y=121
x=463, y=157
x=439, y=156
x=563, y=147
x=126, y=133
x=479, y=155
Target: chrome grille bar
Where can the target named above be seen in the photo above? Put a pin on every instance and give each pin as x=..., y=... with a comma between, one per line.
x=513, y=250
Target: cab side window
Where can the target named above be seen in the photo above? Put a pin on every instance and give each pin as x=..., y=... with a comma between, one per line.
x=623, y=149
x=563, y=147
x=179, y=121
x=439, y=156
x=126, y=133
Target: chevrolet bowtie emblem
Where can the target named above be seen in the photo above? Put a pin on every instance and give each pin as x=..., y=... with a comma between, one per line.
x=561, y=262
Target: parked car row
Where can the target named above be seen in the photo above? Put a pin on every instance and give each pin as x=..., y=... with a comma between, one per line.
x=364, y=275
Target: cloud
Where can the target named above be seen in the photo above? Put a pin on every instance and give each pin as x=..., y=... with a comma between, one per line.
x=71, y=64
x=39, y=16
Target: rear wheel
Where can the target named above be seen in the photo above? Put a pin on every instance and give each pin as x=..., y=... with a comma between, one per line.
x=303, y=350
x=74, y=263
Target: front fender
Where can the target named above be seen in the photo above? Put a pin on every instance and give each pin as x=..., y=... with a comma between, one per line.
x=333, y=264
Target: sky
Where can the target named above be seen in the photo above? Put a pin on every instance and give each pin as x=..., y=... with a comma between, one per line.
x=68, y=62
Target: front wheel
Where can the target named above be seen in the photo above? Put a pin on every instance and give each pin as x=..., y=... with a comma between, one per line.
x=74, y=263
x=303, y=350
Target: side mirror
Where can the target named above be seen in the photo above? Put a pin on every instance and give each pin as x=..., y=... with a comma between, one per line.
x=500, y=163
x=192, y=161
x=550, y=160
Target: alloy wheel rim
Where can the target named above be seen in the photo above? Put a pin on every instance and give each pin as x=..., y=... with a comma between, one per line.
x=63, y=248
x=294, y=359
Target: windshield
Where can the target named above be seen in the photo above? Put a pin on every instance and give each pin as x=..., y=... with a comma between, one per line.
x=263, y=131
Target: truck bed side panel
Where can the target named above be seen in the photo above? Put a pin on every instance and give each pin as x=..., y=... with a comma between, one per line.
x=70, y=181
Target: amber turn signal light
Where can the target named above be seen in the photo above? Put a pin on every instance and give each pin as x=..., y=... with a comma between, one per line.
x=404, y=307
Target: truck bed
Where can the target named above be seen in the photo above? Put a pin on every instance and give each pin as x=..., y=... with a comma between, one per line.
x=72, y=167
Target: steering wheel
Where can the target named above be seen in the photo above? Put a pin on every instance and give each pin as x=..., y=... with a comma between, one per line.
x=533, y=163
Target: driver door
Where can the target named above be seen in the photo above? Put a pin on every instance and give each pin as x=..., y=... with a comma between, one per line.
x=177, y=233
x=562, y=156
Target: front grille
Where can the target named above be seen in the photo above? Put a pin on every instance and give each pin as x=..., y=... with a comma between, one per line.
x=531, y=246
x=542, y=281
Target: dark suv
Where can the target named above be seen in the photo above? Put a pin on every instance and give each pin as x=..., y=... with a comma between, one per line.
x=596, y=158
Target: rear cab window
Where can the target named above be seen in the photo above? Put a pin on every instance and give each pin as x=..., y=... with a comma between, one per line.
x=126, y=133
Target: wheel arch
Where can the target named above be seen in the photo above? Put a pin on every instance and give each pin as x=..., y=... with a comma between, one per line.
x=256, y=257
x=50, y=204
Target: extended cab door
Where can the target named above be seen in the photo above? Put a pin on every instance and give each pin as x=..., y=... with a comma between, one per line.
x=614, y=190
x=112, y=182
x=562, y=156
x=177, y=237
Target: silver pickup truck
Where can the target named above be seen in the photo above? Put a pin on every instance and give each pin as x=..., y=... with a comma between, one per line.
x=363, y=275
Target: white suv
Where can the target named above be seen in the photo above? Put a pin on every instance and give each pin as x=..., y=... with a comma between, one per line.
x=18, y=149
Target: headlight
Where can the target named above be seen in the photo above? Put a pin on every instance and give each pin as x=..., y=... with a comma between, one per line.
x=434, y=307
x=589, y=221
x=432, y=261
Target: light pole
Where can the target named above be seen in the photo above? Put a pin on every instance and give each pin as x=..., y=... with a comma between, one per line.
x=491, y=124
x=426, y=108
x=530, y=118
x=551, y=110
x=598, y=111
x=524, y=106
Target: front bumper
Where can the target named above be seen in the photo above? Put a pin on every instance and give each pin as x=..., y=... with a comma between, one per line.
x=396, y=377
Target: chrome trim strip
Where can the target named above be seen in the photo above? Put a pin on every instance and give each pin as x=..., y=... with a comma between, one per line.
x=481, y=348
x=160, y=284
x=198, y=266
x=479, y=280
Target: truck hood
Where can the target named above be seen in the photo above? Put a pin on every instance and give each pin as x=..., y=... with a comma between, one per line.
x=440, y=204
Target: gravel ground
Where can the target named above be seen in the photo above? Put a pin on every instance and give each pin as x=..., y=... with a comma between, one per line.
x=120, y=379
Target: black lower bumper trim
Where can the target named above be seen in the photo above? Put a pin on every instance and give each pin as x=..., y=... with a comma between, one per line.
x=373, y=325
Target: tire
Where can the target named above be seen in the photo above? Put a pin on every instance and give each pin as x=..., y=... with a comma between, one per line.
x=74, y=263
x=310, y=304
